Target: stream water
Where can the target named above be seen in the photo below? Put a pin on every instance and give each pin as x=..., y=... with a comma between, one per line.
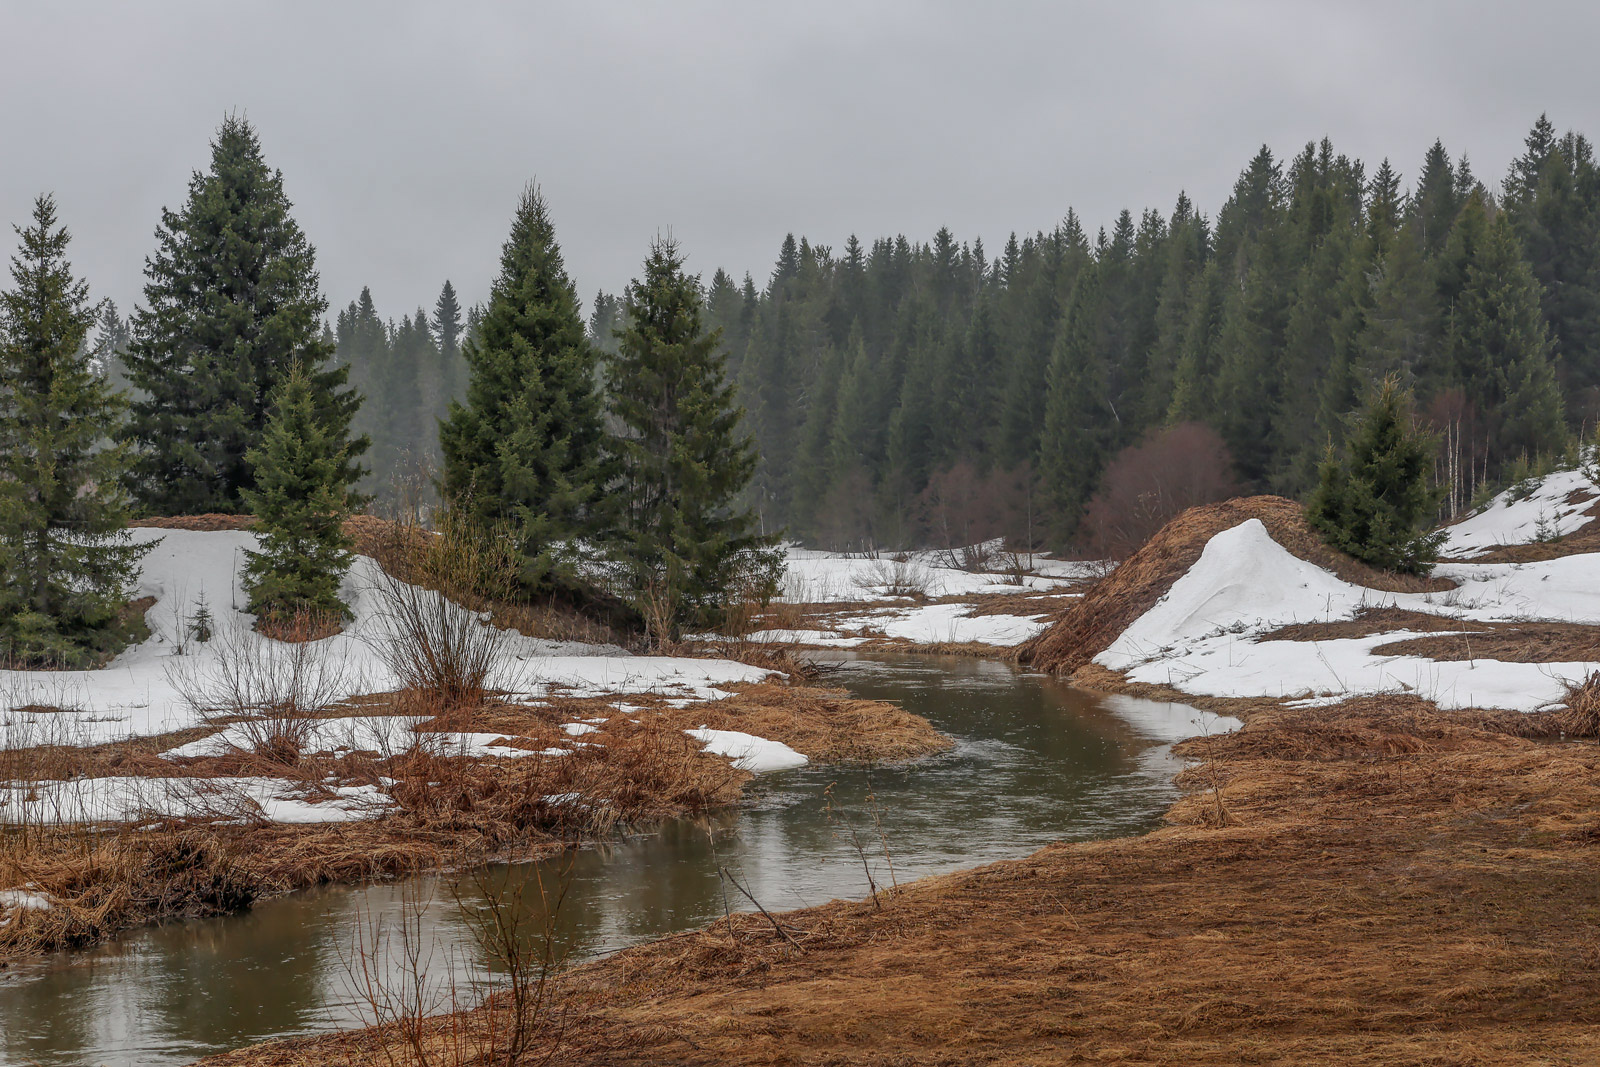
x=1034, y=761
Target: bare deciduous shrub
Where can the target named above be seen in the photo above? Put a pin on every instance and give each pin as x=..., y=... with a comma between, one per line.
x=428, y=585
x=406, y=985
x=963, y=506
x=273, y=690
x=517, y=938
x=894, y=577
x=1149, y=483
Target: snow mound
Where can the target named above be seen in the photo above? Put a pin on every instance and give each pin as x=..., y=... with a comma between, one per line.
x=1555, y=508
x=1209, y=635
x=1243, y=582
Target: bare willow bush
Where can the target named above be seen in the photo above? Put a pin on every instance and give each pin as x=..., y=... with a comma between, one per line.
x=1149, y=483
x=271, y=691
x=429, y=584
x=404, y=978
x=895, y=577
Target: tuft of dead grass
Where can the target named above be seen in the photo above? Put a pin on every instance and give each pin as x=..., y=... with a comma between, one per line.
x=1580, y=716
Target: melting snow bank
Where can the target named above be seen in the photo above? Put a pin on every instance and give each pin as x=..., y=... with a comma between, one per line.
x=926, y=624
x=126, y=799
x=748, y=752
x=935, y=623
x=384, y=735
x=1553, y=508
x=141, y=691
x=813, y=577
x=1203, y=637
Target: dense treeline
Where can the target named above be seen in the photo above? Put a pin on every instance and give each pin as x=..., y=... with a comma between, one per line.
x=906, y=392
x=408, y=370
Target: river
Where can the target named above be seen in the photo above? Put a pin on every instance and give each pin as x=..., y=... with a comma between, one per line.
x=1034, y=761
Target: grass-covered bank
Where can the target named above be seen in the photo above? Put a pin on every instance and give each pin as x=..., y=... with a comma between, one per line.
x=132, y=831
x=1378, y=883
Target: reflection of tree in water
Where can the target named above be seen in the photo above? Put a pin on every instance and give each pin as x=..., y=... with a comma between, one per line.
x=262, y=972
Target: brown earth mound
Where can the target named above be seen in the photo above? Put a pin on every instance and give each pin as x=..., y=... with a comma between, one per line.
x=1089, y=626
x=208, y=523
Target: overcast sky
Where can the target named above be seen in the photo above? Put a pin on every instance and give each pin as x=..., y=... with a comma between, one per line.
x=405, y=130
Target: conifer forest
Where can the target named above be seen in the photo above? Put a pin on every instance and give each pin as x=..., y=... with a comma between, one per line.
x=932, y=391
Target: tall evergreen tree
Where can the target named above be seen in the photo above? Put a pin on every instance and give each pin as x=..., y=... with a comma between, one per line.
x=447, y=331
x=66, y=560
x=684, y=546
x=528, y=447
x=1079, y=424
x=110, y=346
x=232, y=304
x=300, y=501
x=364, y=350
x=1500, y=349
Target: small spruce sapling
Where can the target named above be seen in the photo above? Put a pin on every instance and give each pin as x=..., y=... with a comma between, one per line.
x=1372, y=500
x=300, y=503
x=202, y=624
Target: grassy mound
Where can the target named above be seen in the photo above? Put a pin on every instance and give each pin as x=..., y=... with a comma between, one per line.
x=1089, y=625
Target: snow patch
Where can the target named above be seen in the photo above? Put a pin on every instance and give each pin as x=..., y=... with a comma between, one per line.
x=1519, y=517
x=127, y=799
x=748, y=752
x=135, y=695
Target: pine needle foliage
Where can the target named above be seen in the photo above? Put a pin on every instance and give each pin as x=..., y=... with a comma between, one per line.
x=233, y=302
x=1372, y=501
x=685, y=548
x=66, y=560
x=528, y=446
x=300, y=501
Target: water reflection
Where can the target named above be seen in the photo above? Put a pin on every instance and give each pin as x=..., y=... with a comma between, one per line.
x=1034, y=762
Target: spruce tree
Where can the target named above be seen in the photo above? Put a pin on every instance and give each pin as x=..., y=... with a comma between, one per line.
x=1079, y=424
x=684, y=547
x=232, y=303
x=528, y=447
x=1373, y=500
x=300, y=501
x=66, y=561
x=1500, y=349
x=111, y=346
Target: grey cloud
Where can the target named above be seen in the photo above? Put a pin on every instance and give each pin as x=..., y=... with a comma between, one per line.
x=405, y=130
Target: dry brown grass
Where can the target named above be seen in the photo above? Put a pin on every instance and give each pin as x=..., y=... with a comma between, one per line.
x=1535, y=642
x=1580, y=715
x=449, y=809
x=823, y=724
x=1456, y=639
x=1394, y=886
x=1089, y=625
